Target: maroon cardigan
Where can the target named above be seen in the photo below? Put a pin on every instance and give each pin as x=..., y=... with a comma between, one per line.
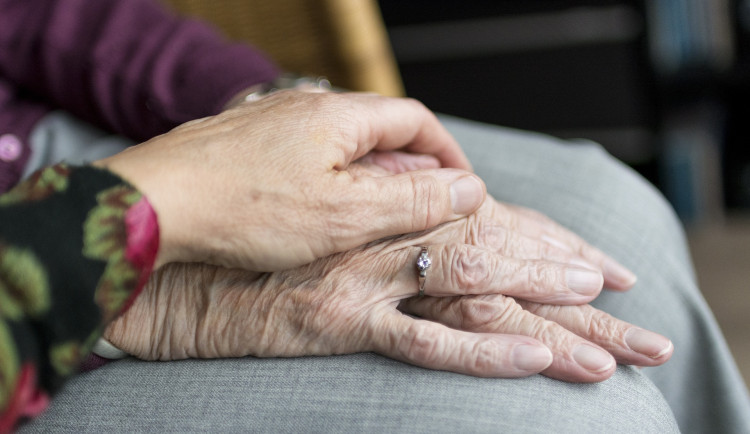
x=127, y=66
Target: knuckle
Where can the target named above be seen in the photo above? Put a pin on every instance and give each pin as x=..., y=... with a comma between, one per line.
x=512, y=317
x=476, y=314
x=429, y=205
x=488, y=313
x=470, y=269
x=492, y=235
x=580, y=322
x=602, y=326
x=483, y=356
x=554, y=335
x=423, y=345
x=533, y=325
x=540, y=277
x=544, y=330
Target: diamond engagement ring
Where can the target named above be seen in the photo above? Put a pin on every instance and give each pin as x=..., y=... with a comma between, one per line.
x=423, y=263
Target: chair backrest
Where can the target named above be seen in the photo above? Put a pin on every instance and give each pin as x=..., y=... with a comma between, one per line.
x=344, y=40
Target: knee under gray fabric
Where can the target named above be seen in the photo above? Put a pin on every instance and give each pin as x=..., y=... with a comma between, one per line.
x=583, y=188
x=578, y=185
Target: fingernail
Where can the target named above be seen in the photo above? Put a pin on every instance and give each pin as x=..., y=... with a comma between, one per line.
x=647, y=343
x=467, y=194
x=583, y=281
x=531, y=357
x=617, y=272
x=592, y=359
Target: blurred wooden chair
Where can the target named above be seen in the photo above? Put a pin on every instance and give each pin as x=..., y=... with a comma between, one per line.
x=344, y=40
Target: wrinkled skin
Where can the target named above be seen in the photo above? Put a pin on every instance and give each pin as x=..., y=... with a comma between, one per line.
x=231, y=188
x=497, y=304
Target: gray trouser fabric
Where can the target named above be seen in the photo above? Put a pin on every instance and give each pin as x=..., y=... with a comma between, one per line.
x=600, y=199
x=578, y=185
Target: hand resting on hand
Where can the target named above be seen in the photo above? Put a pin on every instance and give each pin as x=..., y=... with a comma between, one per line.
x=265, y=186
x=501, y=301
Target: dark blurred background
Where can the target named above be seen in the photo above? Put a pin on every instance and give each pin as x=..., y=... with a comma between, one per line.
x=661, y=84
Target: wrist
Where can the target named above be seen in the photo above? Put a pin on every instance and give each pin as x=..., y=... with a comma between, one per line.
x=145, y=219
x=284, y=81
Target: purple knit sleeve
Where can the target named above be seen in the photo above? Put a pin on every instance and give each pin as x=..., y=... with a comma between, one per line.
x=126, y=65
x=17, y=118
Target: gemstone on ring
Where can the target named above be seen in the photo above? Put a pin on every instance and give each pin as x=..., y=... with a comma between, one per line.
x=423, y=262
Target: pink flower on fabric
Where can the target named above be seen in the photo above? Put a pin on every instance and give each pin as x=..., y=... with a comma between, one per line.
x=142, y=229
x=122, y=230
x=27, y=400
x=142, y=245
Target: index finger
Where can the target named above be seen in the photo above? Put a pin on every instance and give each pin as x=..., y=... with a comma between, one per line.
x=387, y=124
x=536, y=225
x=435, y=346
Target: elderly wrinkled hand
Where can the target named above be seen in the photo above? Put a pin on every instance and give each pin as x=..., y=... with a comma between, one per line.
x=500, y=302
x=265, y=186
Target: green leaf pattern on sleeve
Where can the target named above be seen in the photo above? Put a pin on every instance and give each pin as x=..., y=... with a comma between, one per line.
x=105, y=238
x=76, y=246
x=24, y=287
x=23, y=291
x=66, y=357
x=40, y=185
x=9, y=365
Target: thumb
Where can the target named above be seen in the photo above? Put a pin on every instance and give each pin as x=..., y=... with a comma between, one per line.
x=419, y=200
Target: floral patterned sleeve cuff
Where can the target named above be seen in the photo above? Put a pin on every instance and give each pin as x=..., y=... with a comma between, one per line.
x=77, y=244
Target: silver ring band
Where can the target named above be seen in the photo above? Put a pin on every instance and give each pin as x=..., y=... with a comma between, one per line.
x=423, y=264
